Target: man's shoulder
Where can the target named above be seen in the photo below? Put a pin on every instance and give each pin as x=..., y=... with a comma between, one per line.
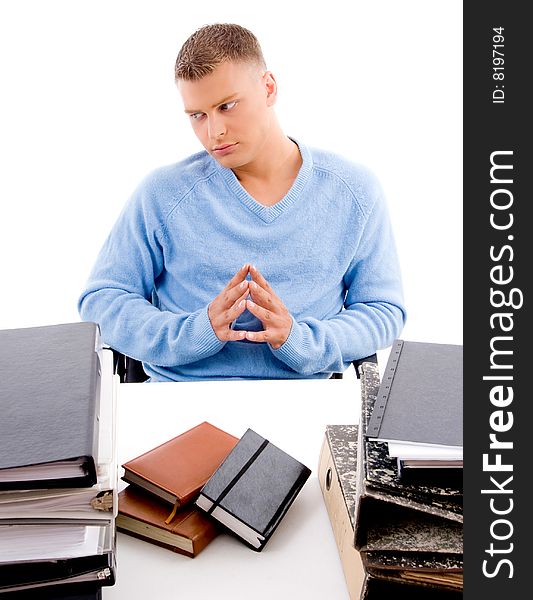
x=182, y=174
x=356, y=178
x=164, y=188
x=342, y=167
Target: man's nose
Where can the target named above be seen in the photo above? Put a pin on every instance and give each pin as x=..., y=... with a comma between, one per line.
x=216, y=126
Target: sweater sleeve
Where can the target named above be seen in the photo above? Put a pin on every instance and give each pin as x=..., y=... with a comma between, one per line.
x=373, y=314
x=118, y=296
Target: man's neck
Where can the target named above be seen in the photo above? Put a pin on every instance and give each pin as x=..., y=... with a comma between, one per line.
x=272, y=174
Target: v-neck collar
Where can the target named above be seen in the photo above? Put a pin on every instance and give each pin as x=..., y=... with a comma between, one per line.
x=268, y=214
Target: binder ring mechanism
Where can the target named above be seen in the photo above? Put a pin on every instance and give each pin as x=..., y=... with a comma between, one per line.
x=328, y=479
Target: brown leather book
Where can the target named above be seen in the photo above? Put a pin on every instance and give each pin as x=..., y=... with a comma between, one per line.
x=143, y=516
x=177, y=469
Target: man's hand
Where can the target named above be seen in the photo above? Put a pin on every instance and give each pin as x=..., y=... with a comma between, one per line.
x=228, y=305
x=270, y=310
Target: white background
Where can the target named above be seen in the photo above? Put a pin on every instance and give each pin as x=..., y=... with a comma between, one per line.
x=89, y=106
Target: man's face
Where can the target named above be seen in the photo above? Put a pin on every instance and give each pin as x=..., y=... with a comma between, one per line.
x=231, y=111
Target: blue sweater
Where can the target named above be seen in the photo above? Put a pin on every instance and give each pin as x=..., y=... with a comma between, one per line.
x=326, y=249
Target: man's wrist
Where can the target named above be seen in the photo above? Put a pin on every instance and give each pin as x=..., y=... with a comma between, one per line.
x=290, y=352
x=207, y=340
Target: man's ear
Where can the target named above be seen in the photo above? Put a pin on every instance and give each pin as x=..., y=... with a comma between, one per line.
x=271, y=88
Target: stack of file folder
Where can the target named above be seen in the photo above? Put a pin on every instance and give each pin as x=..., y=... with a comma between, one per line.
x=396, y=538
x=419, y=410
x=58, y=466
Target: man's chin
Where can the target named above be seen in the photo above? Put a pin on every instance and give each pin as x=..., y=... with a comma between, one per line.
x=229, y=162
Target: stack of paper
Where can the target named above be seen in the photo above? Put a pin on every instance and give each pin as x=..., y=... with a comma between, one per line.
x=396, y=538
x=58, y=469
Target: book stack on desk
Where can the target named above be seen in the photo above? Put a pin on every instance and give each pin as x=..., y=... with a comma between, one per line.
x=183, y=492
x=58, y=470
x=158, y=504
x=396, y=537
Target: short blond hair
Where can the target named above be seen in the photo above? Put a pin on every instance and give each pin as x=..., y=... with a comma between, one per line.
x=212, y=45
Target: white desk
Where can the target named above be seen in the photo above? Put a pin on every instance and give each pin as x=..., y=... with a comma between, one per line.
x=300, y=560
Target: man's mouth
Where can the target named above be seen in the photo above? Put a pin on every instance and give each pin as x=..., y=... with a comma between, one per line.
x=223, y=149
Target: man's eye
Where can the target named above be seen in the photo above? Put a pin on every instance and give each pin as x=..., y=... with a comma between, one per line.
x=196, y=116
x=228, y=105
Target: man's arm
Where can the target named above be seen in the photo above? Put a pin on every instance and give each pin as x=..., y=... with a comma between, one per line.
x=118, y=293
x=372, y=318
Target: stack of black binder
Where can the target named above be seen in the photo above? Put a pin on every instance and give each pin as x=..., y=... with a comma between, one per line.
x=58, y=470
x=396, y=537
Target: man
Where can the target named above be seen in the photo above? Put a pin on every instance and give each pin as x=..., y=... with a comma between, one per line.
x=319, y=284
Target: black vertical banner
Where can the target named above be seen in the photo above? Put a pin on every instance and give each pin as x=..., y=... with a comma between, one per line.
x=498, y=242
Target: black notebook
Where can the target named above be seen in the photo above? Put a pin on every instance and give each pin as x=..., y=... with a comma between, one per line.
x=419, y=406
x=253, y=488
x=49, y=396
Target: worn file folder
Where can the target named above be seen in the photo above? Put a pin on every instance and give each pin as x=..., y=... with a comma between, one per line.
x=407, y=533
x=378, y=484
x=49, y=394
x=395, y=539
x=337, y=479
x=371, y=573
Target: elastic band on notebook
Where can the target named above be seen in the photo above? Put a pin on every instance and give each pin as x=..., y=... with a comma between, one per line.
x=243, y=469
